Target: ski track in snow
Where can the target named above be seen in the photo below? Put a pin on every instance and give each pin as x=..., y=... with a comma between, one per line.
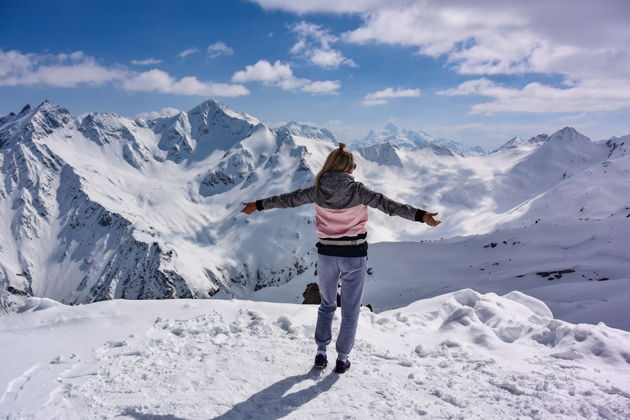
x=253, y=362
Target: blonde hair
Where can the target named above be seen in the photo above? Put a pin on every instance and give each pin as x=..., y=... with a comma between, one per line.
x=340, y=159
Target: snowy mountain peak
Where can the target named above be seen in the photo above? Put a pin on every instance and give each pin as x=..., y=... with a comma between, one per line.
x=397, y=136
x=568, y=134
x=196, y=134
x=383, y=154
x=391, y=127
x=34, y=123
x=413, y=139
x=25, y=109
x=215, y=109
x=306, y=130
x=102, y=127
x=618, y=146
x=516, y=142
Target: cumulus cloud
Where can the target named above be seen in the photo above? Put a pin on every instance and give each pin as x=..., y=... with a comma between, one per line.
x=146, y=62
x=314, y=44
x=325, y=86
x=583, y=42
x=163, y=113
x=187, y=52
x=159, y=81
x=61, y=70
x=263, y=71
x=281, y=75
x=590, y=95
x=76, y=69
x=381, y=97
x=218, y=49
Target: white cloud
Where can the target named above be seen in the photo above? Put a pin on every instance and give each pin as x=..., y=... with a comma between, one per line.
x=62, y=70
x=146, y=62
x=187, y=52
x=164, y=112
x=583, y=42
x=381, y=97
x=329, y=59
x=14, y=62
x=263, y=71
x=160, y=81
x=76, y=69
x=314, y=44
x=281, y=75
x=218, y=49
x=324, y=87
x=595, y=95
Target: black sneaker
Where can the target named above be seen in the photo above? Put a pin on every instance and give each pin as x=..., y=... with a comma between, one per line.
x=342, y=367
x=320, y=361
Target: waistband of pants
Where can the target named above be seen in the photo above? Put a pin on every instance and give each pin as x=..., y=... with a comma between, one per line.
x=343, y=243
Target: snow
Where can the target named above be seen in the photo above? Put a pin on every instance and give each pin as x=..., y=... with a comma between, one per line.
x=410, y=139
x=514, y=307
x=458, y=355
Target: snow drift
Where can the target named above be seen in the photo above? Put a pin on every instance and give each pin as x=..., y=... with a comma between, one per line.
x=462, y=354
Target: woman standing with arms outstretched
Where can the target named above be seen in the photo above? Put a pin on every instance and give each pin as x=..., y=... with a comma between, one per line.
x=341, y=216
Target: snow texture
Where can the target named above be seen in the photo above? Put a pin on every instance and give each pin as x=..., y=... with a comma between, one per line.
x=459, y=355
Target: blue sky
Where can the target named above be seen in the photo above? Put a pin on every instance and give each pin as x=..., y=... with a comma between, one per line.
x=477, y=72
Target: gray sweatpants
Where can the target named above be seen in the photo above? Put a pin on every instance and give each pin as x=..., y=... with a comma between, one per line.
x=352, y=272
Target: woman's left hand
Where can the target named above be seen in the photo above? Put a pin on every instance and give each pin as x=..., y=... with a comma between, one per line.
x=249, y=208
x=429, y=220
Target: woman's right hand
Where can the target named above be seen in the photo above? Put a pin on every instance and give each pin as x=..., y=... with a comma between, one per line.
x=249, y=208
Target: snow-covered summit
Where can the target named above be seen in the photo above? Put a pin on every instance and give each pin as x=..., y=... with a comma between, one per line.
x=34, y=123
x=566, y=135
x=213, y=109
x=411, y=139
x=569, y=135
x=395, y=135
x=618, y=146
x=381, y=153
x=306, y=130
x=517, y=142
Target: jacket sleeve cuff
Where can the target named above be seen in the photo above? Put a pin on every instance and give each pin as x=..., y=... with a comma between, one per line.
x=259, y=206
x=420, y=215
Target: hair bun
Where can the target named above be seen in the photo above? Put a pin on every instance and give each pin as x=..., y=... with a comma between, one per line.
x=342, y=145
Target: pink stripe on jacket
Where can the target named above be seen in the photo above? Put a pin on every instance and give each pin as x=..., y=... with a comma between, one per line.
x=336, y=223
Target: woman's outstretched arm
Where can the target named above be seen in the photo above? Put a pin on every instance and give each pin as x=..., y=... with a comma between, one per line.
x=393, y=208
x=293, y=199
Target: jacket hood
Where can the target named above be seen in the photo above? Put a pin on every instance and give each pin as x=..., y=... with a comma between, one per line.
x=332, y=182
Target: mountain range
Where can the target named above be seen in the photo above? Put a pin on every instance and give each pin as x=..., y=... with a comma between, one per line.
x=410, y=139
x=102, y=206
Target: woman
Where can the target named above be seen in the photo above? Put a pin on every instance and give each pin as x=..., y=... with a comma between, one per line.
x=341, y=216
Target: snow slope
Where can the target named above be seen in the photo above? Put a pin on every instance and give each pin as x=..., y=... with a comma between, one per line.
x=459, y=355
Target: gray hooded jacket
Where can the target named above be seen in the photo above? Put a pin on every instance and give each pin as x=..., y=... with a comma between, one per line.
x=341, y=210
